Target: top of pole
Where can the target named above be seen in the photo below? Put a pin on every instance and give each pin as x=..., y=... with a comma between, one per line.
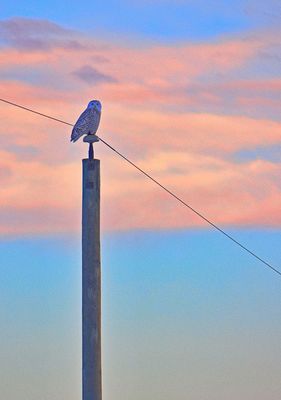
x=91, y=139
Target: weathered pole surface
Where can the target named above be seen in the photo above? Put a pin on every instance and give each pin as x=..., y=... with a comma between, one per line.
x=91, y=282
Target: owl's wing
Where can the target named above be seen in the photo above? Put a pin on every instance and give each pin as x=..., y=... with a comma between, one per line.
x=81, y=127
x=96, y=121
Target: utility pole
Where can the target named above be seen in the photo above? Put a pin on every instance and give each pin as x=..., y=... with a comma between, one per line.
x=91, y=277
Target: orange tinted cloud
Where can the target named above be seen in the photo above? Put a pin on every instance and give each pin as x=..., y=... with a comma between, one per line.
x=48, y=199
x=153, y=98
x=225, y=192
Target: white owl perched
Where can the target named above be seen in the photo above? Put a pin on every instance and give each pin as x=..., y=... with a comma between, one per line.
x=88, y=122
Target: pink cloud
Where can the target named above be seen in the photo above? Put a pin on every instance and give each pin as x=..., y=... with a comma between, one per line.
x=158, y=68
x=153, y=98
x=48, y=199
x=184, y=151
x=151, y=76
x=238, y=195
x=154, y=130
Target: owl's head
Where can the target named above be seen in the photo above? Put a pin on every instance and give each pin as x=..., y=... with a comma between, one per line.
x=95, y=104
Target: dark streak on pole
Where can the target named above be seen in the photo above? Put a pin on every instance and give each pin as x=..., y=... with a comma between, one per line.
x=91, y=282
x=91, y=151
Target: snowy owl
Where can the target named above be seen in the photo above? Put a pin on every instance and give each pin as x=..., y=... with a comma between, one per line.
x=88, y=122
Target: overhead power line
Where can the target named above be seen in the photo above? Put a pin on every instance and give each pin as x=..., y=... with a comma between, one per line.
x=267, y=264
x=35, y=112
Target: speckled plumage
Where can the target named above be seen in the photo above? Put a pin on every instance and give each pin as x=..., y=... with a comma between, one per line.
x=88, y=122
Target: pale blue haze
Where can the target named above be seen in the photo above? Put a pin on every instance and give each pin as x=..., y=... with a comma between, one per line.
x=178, y=307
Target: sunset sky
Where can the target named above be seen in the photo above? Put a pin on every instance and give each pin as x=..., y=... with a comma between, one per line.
x=191, y=92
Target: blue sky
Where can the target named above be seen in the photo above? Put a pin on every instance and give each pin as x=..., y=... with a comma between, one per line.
x=150, y=20
x=179, y=307
x=186, y=313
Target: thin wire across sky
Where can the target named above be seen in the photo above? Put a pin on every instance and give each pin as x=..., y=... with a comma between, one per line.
x=265, y=263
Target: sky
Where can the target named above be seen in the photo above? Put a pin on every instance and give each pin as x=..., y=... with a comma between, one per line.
x=191, y=93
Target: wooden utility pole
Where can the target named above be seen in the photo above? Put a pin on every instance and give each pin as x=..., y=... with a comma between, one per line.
x=91, y=278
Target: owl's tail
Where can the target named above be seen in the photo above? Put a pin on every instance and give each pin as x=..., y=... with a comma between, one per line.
x=75, y=135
